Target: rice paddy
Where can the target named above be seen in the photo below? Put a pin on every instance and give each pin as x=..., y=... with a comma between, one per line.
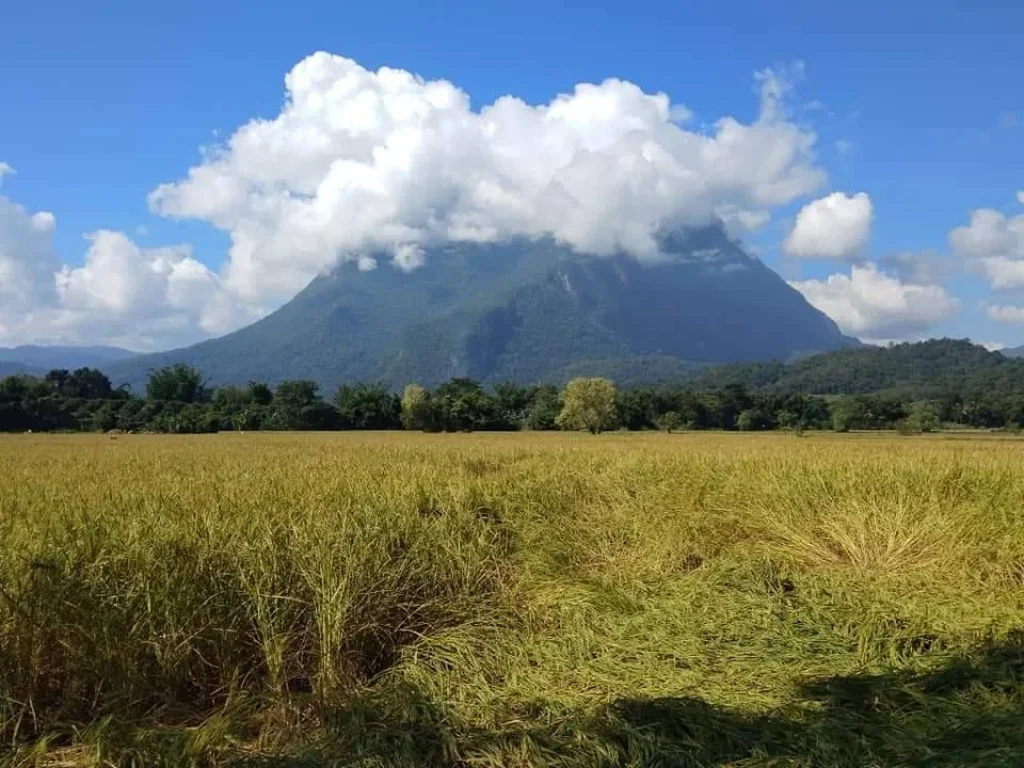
x=531, y=599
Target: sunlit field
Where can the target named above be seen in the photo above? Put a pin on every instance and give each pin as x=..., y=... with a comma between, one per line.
x=395, y=599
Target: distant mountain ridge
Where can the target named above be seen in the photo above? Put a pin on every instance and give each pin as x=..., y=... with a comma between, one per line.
x=920, y=369
x=522, y=311
x=45, y=358
x=11, y=368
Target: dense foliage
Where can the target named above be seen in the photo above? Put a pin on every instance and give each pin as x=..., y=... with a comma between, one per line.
x=177, y=400
x=920, y=370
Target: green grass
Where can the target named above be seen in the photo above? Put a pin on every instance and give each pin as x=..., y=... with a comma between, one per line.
x=515, y=600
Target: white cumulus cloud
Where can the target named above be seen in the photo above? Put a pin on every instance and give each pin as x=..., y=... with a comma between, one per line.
x=27, y=260
x=409, y=257
x=361, y=162
x=924, y=266
x=121, y=278
x=870, y=304
x=834, y=227
x=1006, y=313
x=121, y=294
x=994, y=243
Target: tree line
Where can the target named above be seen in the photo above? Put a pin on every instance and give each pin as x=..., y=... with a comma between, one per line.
x=177, y=400
x=919, y=370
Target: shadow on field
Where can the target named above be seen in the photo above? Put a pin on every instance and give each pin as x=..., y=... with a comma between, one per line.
x=968, y=713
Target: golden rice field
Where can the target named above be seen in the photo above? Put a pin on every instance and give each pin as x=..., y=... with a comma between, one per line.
x=511, y=600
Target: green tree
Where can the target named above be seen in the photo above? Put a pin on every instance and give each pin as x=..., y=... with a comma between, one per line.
x=176, y=383
x=103, y=419
x=950, y=407
x=247, y=418
x=367, y=406
x=296, y=394
x=58, y=379
x=91, y=384
x=543, y=408
x=787, y=419
x=317, y=415
x=757, y=419
x=461, y=405
x=635, y=408
x=83, y=383
x=510, y=405
x=193, y=418
x=844, y=414
x=588, y=404
x=670, y=421
x=840, y=420
x=416, y=410
x=230, y=399
x=732, y=401
x=260, y=393
x=693, y=408
x=297, y=405
x=923, y=418
x=745, y=421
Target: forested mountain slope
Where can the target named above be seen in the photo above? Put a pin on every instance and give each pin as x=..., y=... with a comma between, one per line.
x=524, y=311
x=922, y=369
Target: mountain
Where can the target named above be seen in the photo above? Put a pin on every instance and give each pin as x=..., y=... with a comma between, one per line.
x=520, y=311
x=48, y=358
x=921, y=369
x=1012, y=351
x=11, y=368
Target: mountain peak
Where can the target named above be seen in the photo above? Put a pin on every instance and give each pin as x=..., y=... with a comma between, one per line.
x=524, y=311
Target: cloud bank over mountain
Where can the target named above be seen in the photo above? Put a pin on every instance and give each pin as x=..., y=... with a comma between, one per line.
x=363, y=161
x=378, y=167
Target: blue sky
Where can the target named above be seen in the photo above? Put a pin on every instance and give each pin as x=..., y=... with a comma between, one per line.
x=921, y=109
